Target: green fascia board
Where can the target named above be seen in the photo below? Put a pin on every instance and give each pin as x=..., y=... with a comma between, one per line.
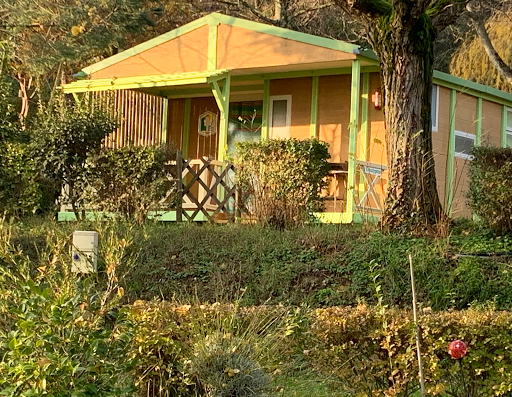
x=189, y=27
x=161, y=80
x=164, y=216
x=332, y=44
x=303, y=73
x=472, y=88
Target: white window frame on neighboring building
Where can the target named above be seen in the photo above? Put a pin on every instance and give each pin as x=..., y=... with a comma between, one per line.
x=462, y=155
x=435, y=100
x=508, y=129
x=272, y=99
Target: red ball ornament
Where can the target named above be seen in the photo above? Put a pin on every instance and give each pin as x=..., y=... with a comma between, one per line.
x=457, y=349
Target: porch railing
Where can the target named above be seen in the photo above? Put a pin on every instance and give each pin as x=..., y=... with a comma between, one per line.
x=206, y=187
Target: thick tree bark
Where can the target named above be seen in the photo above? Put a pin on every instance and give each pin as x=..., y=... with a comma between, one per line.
x=404, y=43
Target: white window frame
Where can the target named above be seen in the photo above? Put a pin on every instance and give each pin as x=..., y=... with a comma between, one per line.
x=273, y=98
x=508, y=130
x=464, y=135
x=436, y=125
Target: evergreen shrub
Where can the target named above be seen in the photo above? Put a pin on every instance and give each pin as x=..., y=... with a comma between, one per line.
x=281, y=180
x=490, y=189
x=131, y=180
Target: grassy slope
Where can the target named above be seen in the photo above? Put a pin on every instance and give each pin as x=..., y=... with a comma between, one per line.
x=318, y=266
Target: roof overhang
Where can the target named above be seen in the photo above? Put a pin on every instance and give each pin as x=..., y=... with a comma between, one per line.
x=144, y=82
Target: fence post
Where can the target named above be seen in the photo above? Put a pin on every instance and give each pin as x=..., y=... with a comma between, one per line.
x=179, y=185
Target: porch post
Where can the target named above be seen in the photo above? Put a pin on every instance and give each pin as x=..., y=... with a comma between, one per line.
x=222, y=99
x=314, y=108
x=165, y=111
x=352, y=145
x=265, y=111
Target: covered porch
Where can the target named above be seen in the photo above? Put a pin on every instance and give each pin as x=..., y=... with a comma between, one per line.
x=230, y=95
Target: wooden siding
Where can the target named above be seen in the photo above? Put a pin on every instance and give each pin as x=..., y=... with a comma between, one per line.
x=334, y=115
x=491, y=123
x=300, y=90
x=200, y=146
x=140, y=117
x=440, y=139
x=465, y=121
x=243, y=48
x=187, y=53
x=175, y=123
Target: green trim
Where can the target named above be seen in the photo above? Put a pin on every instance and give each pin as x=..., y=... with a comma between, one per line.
x=503, y=133
x=314, y=108
x=450, y=159
x=212, y=46
x=164, y=216
x=478, y=121
x=265, y=110
x=159, y=80
x=332, y=217
x=365, y=125
x=165, y=114
x=343, y=217
x=222, y=98
x=186, y=128
x=304, y=73
x=353, y=127
x=80, y=75
x=287, y=34
x=471, y=88
x=363, y=145
x=189, y=27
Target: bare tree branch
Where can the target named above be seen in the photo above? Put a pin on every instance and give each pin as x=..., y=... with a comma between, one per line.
x=476, y=15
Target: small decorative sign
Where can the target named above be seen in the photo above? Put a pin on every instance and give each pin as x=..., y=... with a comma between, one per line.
x=207, y=124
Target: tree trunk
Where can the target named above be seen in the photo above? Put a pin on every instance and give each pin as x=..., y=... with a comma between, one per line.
x=405, y=50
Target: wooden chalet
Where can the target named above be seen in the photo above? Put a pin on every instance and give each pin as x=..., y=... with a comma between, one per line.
x=220, y=80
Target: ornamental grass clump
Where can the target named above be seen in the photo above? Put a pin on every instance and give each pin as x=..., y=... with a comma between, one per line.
x=226, y=367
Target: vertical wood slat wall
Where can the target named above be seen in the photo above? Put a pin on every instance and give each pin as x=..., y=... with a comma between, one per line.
x=140, y=117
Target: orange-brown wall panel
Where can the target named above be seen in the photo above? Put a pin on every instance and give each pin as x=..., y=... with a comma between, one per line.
x=334, y=115
x=377, y=139
x=175, y=122
x=300, y=90
x=187, y=53
x=244, y=48
x=491, y=123
x=465, y=113
x=461, y=185
x=440, y=139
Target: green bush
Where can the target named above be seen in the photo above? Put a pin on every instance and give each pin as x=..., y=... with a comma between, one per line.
x=281, y=179
x=490, y=188
x=59, y=341
x=65, y=140
x=131, y=180
x=372, y=351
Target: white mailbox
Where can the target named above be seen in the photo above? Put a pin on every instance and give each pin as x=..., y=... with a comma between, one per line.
x=84, y=253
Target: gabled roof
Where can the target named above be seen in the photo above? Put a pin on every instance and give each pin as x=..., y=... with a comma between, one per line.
x=217, y=19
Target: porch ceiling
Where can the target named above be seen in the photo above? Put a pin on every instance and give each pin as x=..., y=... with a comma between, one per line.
x=145, y=83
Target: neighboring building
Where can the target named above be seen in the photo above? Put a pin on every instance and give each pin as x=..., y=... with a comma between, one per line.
x=220, y=79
